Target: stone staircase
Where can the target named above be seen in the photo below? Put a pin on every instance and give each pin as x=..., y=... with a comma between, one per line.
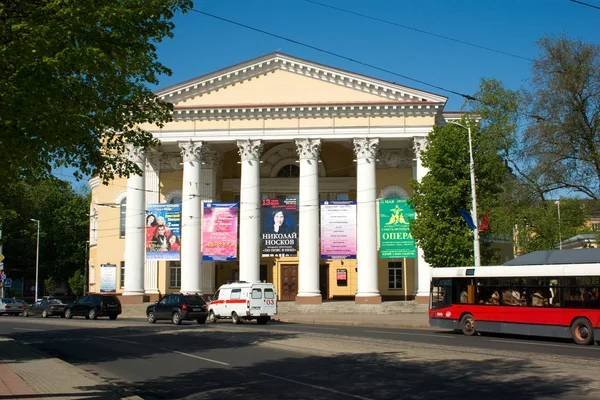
x=349, y=307
x=328, y=307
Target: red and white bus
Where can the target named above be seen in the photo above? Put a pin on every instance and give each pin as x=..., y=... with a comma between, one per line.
x=540, y=300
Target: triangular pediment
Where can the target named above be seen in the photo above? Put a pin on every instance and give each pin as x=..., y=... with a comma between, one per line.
x=279, y=80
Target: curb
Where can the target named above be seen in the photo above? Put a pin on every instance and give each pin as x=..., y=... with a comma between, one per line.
x=354, y=323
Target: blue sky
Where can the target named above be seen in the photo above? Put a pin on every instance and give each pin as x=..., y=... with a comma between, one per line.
x=203, y=44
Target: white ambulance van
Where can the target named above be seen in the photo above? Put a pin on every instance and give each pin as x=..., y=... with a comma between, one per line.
x=244, y=301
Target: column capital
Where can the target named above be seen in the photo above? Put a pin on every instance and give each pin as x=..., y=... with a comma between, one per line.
x=419, y=145
x=154, y=159
x=250, y=150
x=191, y=151
x=308, y=148
x=135, y=154
x=366, y=148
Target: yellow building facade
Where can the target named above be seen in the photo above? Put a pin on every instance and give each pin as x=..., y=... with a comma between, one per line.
x=272, y=127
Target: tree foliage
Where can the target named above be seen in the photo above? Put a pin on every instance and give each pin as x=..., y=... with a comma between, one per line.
x=76, y=283
x=64, y=228
x=439, y=230
x=559, y=145
x=73, y=78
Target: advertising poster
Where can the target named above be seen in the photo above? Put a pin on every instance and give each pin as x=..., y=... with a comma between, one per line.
x=394, y=233
x=338, y=229
x=163, y=227
x=279, y=236
x=219, y=232
x=108, y=278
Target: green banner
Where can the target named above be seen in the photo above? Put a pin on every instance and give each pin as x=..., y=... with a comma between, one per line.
x=394, y=234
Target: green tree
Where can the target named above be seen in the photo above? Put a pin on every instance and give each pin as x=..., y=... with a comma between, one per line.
x=64, y=228
x=49, y=285
x=73, y=82
x=439, y=230
x=76, y=283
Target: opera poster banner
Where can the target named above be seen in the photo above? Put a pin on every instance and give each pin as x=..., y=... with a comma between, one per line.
x=219, y=231
x=279, y=237
x=163, y=232
x=108, y=278
x=394, y=229
x=338, y=229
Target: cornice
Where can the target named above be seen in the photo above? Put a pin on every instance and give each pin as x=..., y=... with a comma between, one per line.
x=277, y=61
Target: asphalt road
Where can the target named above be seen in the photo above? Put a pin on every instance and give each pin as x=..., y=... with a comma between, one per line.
x=295, y=361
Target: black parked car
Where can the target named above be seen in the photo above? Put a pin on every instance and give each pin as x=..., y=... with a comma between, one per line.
x=94, y=306
x=45, y=308
x=178, y=307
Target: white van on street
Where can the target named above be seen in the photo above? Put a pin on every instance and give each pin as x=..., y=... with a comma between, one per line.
x=244, y=301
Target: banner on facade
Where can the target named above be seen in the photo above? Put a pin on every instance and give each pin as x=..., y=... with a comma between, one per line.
x=163, y=227
x=394, y=233
x=108, y=278
x=219, y=232
x=279, y=236
x=338, y=229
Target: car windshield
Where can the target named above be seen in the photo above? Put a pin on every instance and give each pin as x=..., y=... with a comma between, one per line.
x=194, y=300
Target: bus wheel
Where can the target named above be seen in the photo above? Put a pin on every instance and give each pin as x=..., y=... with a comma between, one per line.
x=582, y=331
x=467, y=325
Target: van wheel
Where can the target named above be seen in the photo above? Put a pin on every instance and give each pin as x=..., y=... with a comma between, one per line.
x=467, y=325
x=235, y=318
x=176, y=318
x=212, y=317
x=262, y=320
x=582, y=331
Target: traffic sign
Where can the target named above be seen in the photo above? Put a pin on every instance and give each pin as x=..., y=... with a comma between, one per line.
x=1, y=257
x=8, y=282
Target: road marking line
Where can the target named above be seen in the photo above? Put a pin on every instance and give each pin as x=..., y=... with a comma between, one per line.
x=118, y=340
x=194, y=356
x=413, y=334
x=542, y=344
x=26, y=329
x=316, y=387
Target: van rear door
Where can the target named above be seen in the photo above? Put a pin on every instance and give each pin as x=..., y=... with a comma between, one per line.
x=270, y=301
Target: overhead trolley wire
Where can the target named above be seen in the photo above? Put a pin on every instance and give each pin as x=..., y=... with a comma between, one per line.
x=417, y=30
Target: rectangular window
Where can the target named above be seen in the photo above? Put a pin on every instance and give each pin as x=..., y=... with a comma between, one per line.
x=342, y=277
x=596, y=226
x=123, y=214
x=174, y=274
x=235, y=294
x=257, y=293
x=122, y=275
x=269, y=294
x=395, y=275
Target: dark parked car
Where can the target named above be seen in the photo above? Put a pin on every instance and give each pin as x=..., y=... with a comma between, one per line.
x=94, y=306
x=178, y=307
x=46, y=308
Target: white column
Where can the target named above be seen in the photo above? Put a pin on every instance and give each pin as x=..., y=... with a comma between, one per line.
x=152, y=190
x=191, y=212
x=366, y=221
x=250, y=152
x=135, y=220
x=308, y=288
x=422, y=268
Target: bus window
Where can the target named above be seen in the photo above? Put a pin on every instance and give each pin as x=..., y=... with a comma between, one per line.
x=441, y=293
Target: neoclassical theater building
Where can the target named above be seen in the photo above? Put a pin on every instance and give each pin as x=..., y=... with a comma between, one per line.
x=273, y=127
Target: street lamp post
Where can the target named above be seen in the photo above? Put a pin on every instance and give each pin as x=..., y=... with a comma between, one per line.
x=476, y=252
x=37, y=258
x=557, y=202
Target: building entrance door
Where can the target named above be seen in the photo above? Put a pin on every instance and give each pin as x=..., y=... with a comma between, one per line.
x=289, y=282
x=324, y=281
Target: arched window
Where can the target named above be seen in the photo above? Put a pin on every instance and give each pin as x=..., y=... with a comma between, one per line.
x=122, y=219
x=289, y=171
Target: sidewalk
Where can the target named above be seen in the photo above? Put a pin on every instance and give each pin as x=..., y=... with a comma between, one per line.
x=27, y=373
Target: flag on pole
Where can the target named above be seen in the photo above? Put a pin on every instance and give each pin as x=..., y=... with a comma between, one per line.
x=467, y=217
